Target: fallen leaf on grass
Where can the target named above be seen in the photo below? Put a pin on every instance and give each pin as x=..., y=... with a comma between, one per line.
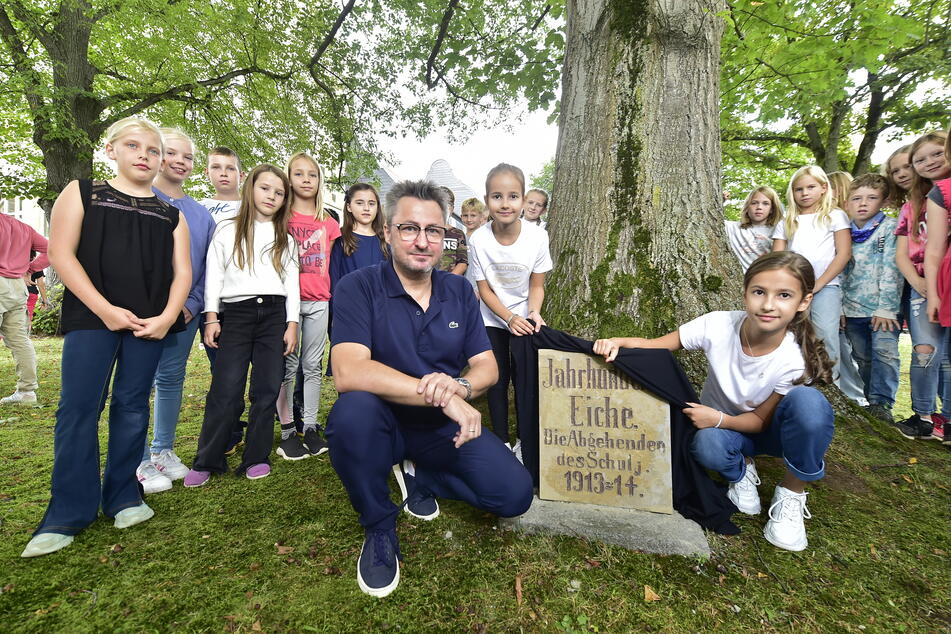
x=103, y=560
x=256, y=627
x=592, y=563
x=332, y=570
x=255, y=566
x=116, y=548
x=518, y=589
x=284, y=550
x=913, y=460
x=721, y=579
x=907, y=479
x=650, y=595
x=872, y=551
x=761, y=575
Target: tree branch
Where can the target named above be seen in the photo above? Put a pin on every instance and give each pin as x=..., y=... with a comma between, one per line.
x=331, y=35
x=22, y=64
x=175, y=92
x=780, y=138
x=443, y=29
x=540, y=17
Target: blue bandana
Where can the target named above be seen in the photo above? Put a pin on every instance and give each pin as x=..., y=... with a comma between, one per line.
x=861, y=235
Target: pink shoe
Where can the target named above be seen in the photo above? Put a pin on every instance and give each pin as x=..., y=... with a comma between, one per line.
x=196, y=478
x=258, y=471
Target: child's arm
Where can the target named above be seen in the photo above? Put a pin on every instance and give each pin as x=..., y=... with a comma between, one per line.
x=157, y=327
x=885, y=317
x=41, y=286
x=609, y=348
x=516, y=324
x=843, y=252
x=935, y=249
x=779, y=245
x=460, y=269
x=907, y=267
x=536, y=297
x=747, y=422
x=66, y=223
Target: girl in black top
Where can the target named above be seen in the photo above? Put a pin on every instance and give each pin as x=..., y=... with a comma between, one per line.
x=123, y=256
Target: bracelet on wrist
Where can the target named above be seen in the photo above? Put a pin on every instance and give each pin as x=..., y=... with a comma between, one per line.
x=213, y=322
x=719, y=422
x=509, y=321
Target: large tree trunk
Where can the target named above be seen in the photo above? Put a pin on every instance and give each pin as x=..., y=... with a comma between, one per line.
x=636, y=220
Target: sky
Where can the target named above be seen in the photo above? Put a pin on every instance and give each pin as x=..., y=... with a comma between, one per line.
x=529, y=145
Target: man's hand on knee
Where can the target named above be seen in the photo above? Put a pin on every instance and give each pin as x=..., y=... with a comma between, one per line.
x=468, y=418
x=437, y=388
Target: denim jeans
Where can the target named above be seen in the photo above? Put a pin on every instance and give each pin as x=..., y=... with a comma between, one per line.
x=368, y=435
x=850, y=380
x=876, y=353
x=87, y=364
x=169, y=381
x=926, y=367
x=800, y=433
x=313, y=334
x=252, y=333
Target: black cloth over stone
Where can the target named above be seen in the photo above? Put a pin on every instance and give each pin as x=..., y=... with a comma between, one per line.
x=695, y=495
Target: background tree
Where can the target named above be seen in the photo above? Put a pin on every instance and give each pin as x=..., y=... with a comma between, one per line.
x=636, y=221
x=811, y=74
x=266, y=77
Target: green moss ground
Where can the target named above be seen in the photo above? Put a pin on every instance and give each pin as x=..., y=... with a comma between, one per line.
x=279, y=554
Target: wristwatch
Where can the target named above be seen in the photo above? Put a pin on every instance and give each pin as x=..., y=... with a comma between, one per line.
x=465, y=383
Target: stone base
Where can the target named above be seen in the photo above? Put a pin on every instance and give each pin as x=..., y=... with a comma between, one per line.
x=632, y=529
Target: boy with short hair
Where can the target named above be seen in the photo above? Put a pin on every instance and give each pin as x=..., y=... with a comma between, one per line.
x=871, y=293
x=225, y=174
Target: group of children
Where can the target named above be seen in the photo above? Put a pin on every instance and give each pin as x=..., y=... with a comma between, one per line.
x=146, y=267
x=874, y=273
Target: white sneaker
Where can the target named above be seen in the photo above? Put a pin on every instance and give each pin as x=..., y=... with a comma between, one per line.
x=19, y=397
x=169, y=465
x=744, y=494
x=517, y=450
x=152, y=480
x=785, y=527
x=133, y=515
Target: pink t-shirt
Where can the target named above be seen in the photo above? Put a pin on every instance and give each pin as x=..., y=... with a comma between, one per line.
x=916, y=248
x=314, y=239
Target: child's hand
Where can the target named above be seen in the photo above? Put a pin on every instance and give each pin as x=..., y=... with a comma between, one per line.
x=841, y=322
x=519, y=326
x=920, y=286
x=535, y=316
x=212, y=332
x=933, y=306
x=881, y=323
x=155, y=328
x=607, y=348
x=290, y=338
x=703, y=416
x=116, y=318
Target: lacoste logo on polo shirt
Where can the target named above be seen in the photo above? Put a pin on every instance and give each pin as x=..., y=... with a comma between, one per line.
x=453, y=324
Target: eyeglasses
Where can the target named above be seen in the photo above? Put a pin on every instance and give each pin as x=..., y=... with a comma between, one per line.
x=409, y=232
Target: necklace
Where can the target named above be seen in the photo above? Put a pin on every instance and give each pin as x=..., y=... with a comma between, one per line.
x=749, y=348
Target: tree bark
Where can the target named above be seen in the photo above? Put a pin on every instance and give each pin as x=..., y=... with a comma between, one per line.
x=636, y=216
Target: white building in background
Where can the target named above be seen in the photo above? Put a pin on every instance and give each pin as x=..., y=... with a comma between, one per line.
x=28, y=211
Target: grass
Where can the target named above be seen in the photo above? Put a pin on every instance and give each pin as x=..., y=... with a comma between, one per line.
x=279, y=555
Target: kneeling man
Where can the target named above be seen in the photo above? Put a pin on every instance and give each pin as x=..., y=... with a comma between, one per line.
x=402, y=335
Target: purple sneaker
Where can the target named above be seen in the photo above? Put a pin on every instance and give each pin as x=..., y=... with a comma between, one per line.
x=196, y=478
x=258, y=471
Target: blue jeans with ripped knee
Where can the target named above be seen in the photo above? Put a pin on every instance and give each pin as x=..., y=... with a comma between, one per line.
x=926, y=364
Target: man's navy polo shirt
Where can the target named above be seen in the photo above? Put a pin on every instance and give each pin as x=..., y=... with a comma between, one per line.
x=372, y=308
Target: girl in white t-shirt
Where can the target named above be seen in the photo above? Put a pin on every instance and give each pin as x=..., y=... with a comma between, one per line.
x=752, y=235
x=816, y=229
x=753, y=401
x=509, y=258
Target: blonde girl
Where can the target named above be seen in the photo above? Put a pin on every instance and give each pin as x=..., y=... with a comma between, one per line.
x=536, y=204
x=122, y=254
x=314, y=231
x=840, y=181
x=816, y=229
x=252, y=303
x=754, y=401
x=751, y=236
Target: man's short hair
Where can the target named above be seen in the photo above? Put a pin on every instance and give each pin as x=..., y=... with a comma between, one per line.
x=422, y=190
x=223, y=150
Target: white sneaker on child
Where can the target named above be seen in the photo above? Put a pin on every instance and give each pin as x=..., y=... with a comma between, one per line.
x=786, y=528
x=151, y=479
x=744, y=494
x=169, y=465
x=517, y=450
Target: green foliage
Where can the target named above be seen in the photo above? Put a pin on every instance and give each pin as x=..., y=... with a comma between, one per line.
x=267, y=78
x=810, y=74
x=545, y=179
x=46, y=320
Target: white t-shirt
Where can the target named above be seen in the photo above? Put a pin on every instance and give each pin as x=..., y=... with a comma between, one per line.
x=749, y=243
x=815, y=241
x=508, y=269
x=221, y=209
x=736, y=382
